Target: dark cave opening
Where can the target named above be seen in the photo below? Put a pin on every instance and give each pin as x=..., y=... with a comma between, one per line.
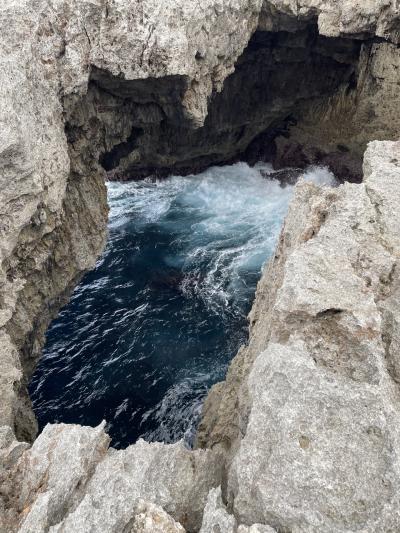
x=111, y=159
x=279, y=79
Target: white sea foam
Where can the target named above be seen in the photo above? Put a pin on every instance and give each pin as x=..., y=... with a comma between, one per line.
x=233, y=215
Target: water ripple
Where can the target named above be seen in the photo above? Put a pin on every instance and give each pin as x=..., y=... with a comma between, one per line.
x=156, y=323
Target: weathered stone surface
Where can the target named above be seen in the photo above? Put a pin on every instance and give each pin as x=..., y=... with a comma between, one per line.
x=217, y=519
x=128, y=84
x=335, y=17
x=321, y=400
x=256, y=528
x=170, y=476
x=53, y=198
x=151, y=518
x=69, y=480
x=10, y=453
x=199, y=41
x=335, y=131
x=52, y=473
x=307, y=440
x=131, y=87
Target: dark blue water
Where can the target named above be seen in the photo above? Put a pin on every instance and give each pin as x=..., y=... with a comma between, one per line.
x=157, y=322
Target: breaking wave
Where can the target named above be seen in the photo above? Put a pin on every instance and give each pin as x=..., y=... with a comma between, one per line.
x=159, y=319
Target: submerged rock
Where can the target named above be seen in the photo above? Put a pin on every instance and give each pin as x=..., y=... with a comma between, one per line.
x=286, y=176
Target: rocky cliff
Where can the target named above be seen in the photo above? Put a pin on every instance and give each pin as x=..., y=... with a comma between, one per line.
x=303, y=434
x=309, y=410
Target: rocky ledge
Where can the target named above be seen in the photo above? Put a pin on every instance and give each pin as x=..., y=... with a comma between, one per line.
x=303, y=436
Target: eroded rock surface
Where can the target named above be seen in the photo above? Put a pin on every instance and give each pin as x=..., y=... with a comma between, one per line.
x=309, y=412
x=69, y=480
x=217, y=518
x=131, y=87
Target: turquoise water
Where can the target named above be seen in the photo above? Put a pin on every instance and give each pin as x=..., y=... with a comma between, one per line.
x=156, y=323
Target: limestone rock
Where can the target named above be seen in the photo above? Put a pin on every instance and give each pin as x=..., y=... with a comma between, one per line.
x=70, y=481
x=140, y=87
x=10, y=453
x=53, y=472
x=216, y=517
x=321, y=398
x=345, y=127
x=89, y=87
x=151, y=518
x=256, y=528
x=334, y=18
x=307, y=438
x=198, y=41
x=169, y=476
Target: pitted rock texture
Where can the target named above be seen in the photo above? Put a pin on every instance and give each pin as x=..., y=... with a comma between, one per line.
x=69, y=480
x=151, y=518
x=217, y=518
x=122, y=87
x=309, y=413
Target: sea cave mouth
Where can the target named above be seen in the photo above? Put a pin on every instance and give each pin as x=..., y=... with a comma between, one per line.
x=138, y=130
x=288, y=101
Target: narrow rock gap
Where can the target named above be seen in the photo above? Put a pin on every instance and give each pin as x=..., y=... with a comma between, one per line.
x=138, y=128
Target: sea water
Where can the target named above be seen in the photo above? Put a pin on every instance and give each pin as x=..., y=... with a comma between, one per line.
x=156, y=323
